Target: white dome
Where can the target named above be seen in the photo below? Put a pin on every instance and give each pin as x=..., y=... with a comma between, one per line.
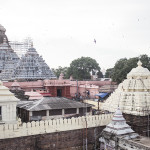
x=133, y=94
x=138, y=72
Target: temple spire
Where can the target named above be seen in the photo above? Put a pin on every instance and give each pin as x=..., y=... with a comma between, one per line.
x=4, y=40
x=139, y=63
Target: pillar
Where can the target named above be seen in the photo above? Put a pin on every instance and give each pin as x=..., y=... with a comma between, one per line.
x=47, y=113
x=63, y=112
x=30, y=115
x=77, y=111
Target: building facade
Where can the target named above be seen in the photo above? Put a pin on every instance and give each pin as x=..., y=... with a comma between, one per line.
x=52, y=108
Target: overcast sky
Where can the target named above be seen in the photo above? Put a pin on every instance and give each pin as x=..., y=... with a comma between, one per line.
x=64, y=30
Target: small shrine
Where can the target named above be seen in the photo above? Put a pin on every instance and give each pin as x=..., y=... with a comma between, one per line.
x=8, y=103
x=116, y=132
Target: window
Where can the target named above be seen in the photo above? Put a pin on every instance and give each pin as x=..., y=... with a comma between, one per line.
x=55, y=112
x=70, y=111
x=39, y=113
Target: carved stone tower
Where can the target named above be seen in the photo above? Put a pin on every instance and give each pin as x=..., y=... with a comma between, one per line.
x=133, y=98
x=32, y=67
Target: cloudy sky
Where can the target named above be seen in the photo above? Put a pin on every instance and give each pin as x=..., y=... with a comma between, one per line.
x=63, y=30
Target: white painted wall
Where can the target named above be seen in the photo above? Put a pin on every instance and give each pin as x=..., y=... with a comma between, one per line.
x=49, y=126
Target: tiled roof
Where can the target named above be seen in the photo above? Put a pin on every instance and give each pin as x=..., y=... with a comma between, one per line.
x=49, y=103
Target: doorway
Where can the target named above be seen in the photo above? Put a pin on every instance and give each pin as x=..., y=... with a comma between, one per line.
x=59, y=92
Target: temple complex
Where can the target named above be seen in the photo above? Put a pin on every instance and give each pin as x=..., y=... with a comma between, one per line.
x=29, y=67
x=133, y=98
x=32, y=67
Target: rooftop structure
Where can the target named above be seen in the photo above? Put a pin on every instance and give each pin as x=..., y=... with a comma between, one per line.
x=133, y=95
x=119, y=135
x=119, y=127
x=32, y=67
x=51, y=107
x=33, y=95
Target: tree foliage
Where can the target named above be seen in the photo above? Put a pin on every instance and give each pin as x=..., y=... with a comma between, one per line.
x=124, y=66
x=60, y=70
x=108, y=73
x=81, y=68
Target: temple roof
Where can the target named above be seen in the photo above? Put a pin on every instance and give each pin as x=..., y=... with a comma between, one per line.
x=8, y=60
x=138, y=72
x=2, y=28
x=15, y=84
x=33, y=95
x=49, y=103
x=2, y=34
x=118, y=126
x=133, y=94
x=32, y=66
x=6, y=95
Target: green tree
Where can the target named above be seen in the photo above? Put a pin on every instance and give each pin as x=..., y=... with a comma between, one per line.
x=108, y=73
x=60, y=70
x=81, y=68
x=118, y=71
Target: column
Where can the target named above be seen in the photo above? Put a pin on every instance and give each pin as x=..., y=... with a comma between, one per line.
x=47, y=113
x=63, y=112
x=30, y=115
x=77, y=111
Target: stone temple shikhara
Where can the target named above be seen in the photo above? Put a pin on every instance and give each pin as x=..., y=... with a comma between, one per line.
x=133, y=98
x=116, y=133
x=8, y=60
x=29, y=67
x=2, y=34
x=32, y=66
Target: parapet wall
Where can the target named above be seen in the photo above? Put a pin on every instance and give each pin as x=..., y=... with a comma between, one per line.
x=50, y=126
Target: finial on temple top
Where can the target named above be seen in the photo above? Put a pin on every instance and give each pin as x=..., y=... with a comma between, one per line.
x=139, y=63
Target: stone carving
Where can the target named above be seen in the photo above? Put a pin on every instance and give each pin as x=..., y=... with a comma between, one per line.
x=133, y=94
x=8, y=60
x=32, y=67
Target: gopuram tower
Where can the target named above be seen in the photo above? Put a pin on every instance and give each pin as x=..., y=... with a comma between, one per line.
x=32, y=67
x=133, y=98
